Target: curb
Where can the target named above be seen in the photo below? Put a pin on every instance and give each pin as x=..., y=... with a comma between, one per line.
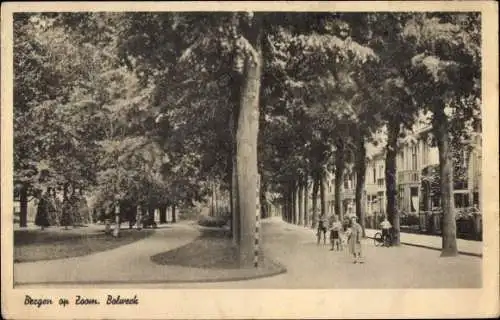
x=281, y=270
x=472, y=254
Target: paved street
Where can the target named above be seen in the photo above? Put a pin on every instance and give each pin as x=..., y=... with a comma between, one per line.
x=315, y=267
x=309, y=266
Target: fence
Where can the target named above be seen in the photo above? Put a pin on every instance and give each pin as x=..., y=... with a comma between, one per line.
x=469, y=225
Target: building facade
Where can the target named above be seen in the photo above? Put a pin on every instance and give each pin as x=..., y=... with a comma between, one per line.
x=415, y=158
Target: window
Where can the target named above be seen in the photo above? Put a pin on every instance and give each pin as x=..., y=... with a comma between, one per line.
x=461, y=200
x=414, y=200
x=414, y=157
x=425, y=154
x=381, y=182
x=374, y=174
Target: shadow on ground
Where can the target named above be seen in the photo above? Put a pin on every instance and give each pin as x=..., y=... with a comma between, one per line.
x=213, y=249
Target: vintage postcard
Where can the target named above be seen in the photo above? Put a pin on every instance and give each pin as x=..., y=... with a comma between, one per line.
x=161, y=159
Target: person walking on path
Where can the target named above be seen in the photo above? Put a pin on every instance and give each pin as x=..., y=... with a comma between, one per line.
x=42, y=213
x=322, y=229
x=335, y=229
x=354, y=239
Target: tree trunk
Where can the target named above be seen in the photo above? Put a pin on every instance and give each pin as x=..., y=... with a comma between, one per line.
x=306, y=200
x=212, y=208
x=231, y=205
x=285, y=204
x=235, y=215
x=290, y=204
x=316, y=182
x=322, y=193
x=163, y=214
x=174, y=218
x=235, y=206
x=339, y=179
x=390, y=179
x=246, y=139
x=23, y=203
x=263, y=200
x=301, y=205
x=116, y=231
x=360, y=181
x=449, y=227
x=294, y=203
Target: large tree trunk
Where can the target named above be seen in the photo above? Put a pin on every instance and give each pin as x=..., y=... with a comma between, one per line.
x=390, y=179
x=316, y=182
x=322, y=194
x=235, y=206
x=163, y=214
x=300, y=201
x=449, y=227
x=246, y=139
x=263, y=200
x=306, y=200
x=290, y=204
x=360, y=181
x=339, y=178
x=235, y=225
x=174, y=217
x=23, y=203
x=294, y=202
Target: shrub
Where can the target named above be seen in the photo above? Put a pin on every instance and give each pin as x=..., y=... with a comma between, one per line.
x=217, y=222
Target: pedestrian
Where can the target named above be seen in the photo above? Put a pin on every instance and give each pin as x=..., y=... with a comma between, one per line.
x=42, y=213
x=354, y=239
x=322, y=228
x=335, y=233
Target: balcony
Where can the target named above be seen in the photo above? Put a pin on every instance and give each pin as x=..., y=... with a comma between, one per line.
x=408, y=176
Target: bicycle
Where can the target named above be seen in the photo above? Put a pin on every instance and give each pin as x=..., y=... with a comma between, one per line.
x=384, y=241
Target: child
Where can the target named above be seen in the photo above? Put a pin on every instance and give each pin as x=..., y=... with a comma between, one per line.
x=335, y=234
x=321, y=229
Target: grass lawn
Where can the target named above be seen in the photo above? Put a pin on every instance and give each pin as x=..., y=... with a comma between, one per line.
x=36, y=245
x=213, y=249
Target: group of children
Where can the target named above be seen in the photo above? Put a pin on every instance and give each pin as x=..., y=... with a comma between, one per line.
x=348, y=232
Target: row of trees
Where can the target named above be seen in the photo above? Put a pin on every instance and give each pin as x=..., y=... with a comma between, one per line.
x=155, y=107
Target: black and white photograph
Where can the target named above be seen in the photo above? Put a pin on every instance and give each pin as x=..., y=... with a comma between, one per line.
x=237, y=149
